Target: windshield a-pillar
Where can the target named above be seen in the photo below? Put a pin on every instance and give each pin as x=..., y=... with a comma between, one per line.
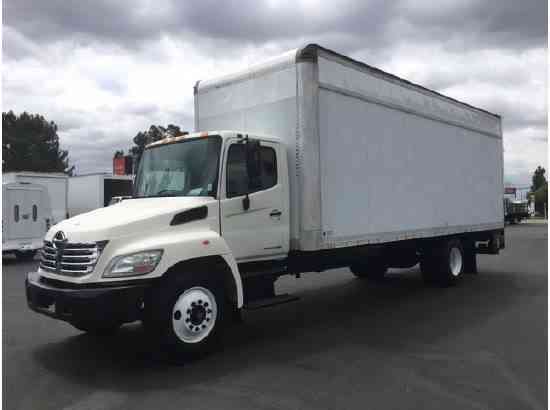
x=185, y=168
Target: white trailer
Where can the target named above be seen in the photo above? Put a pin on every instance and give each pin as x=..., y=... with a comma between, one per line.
x=26, y=217
x=308, y=162
x=372, y=158
x=56, y=185
x=91, y=191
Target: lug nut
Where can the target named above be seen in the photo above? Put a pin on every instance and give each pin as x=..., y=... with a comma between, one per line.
x=177, y=315
x=205, y=304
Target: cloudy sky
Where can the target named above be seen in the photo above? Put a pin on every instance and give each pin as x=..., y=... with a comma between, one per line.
x=104, y=70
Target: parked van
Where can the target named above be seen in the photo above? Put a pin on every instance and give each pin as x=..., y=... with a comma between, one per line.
x=56, y=184
x=26, y=217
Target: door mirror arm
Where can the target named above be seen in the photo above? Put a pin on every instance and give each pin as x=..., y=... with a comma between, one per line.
x=252, y=167
x=246, y=202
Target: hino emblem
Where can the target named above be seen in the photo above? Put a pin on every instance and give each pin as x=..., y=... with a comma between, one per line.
x=59, y=242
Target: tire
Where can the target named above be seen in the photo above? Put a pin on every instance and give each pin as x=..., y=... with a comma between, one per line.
x=185, y=316
x=443, y=264
x=25, y=255
x=95, y=328
x=374, y=270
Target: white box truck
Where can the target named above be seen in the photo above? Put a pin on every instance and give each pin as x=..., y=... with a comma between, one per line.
x=26, y=217
x=91, y=191
x=321, y=162
x=55, y=184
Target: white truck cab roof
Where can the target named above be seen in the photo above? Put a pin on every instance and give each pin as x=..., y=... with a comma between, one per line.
x=224, y=134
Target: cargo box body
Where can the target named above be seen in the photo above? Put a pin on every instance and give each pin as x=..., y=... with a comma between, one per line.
x=91, y=191
x=372, y=158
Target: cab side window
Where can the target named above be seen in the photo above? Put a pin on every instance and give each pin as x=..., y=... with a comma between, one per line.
x=269, y=167
x=237, y=176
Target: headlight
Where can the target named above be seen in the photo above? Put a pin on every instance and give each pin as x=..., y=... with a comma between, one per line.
x=135, y=264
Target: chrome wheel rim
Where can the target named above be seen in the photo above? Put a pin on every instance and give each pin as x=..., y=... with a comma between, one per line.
x=455, y=261
x=194, y=314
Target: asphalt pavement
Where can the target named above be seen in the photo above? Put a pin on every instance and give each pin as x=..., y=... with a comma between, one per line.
x=346, y=344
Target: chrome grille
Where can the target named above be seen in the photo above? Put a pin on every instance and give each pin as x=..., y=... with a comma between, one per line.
x=71, y=259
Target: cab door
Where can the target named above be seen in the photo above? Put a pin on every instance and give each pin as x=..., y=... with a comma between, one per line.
x=261, y=231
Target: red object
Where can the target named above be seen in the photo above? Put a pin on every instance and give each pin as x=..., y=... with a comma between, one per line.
x=510, y=190
x=206, y=242
x=119, y=165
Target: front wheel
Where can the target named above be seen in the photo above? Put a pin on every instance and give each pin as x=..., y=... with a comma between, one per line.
x=185, y=316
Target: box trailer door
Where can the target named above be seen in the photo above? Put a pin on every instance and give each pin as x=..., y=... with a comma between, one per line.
x=25, y=213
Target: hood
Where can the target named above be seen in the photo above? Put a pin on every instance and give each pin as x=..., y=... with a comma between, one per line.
x=125, y=218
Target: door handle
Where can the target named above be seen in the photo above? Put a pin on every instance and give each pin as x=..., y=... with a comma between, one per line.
x=275, y=213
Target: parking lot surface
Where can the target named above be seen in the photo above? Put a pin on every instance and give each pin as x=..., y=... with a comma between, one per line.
x=346, y=344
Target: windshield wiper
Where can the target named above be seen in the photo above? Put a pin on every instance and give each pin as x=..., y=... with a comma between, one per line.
x=166, y=192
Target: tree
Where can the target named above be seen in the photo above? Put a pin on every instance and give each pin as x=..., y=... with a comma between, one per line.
x=30, y=143
x=539, y=179
x=155, y=133
x=541, y=199
x=539, y=189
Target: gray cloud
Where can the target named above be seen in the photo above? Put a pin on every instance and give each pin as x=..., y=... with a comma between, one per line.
x=104, y=70
x=370, y=24
x=52, y=20
x=508, y=23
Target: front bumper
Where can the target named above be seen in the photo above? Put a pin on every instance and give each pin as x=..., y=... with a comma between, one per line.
x=12, y=246
x=72, y=303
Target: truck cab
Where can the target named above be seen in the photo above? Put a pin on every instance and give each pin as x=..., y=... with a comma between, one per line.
x=203, y=204
x=246, y=177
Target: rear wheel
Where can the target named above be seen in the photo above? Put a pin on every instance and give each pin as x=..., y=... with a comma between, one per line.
x=185, y=316
x=443, y=264
x=25, y=255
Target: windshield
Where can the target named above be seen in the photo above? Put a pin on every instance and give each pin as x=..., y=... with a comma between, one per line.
x=187, y=168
